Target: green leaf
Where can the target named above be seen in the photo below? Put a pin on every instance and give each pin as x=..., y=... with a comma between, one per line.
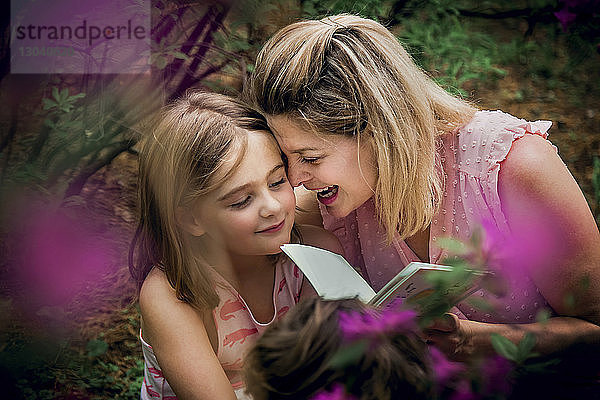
x=480, y=304
x=96, y=347
x=348, y=355
x=48, y=104
x=525, y=346
x=55, y=94
x=543, y=315
x=504, y=347
x=453, y=246
x=64, y=94
x=180, y=55
x=160, y=62
x=77, y=96
x=569, y=301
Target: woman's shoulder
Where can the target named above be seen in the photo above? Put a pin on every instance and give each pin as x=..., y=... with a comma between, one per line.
x=498, y=123
x=486, y=140
x=319, y=237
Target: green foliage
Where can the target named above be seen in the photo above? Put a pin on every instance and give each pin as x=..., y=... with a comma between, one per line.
x=518, y=353
x=45, y=370
x=444, y=45
x=375, y=9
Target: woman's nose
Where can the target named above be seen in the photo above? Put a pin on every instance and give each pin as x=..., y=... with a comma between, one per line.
x=297, y=175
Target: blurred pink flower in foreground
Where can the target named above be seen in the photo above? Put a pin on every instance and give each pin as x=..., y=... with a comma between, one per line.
x=495, y=373
x=59, y=256
x=369, y=325
x=338, y=392
x=444, y=370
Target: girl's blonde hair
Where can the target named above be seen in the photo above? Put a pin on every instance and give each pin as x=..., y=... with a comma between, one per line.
x=350, y=76
x=178, y=163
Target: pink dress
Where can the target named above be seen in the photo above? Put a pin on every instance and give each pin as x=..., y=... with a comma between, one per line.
x=237, y=330
x=470, y=159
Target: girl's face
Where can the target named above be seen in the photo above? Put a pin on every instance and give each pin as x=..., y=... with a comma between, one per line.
x=342, y=174
x=252, y=212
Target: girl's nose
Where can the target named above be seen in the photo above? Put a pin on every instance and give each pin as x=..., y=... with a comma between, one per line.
x=271, y=206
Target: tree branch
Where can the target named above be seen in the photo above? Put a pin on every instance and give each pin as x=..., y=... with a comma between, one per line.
x=78, y=182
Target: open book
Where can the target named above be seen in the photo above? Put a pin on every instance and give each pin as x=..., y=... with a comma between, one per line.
x=333, y=278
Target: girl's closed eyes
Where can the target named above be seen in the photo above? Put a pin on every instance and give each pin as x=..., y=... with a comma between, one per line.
x=243, y=201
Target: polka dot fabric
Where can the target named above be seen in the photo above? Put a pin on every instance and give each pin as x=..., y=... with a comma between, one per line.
x=471, y=158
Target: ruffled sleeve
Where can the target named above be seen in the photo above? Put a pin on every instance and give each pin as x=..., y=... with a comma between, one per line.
x=481, y=146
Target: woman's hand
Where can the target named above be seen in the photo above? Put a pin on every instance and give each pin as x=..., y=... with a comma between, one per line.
x=453, y=336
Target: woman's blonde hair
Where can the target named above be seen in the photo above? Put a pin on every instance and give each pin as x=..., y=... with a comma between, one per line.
x=178, y=163
x=350, y=76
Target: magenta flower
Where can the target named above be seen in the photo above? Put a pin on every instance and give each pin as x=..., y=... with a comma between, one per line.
x=495, y=374
x=444, y=370
x=369, y=325
x=338, y=392
x=60, y=256
x=565, y=17
x=463, y=392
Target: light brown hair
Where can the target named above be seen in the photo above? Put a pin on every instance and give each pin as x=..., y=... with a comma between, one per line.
x=178, y=162
x=291, y=360
x=348, y=75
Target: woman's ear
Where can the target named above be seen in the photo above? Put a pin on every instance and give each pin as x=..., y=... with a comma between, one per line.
x=188, y=221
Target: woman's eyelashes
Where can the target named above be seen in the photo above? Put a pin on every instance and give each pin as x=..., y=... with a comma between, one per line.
x=309, y=160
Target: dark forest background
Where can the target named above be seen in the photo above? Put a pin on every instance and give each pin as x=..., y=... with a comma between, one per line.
x=68, y=159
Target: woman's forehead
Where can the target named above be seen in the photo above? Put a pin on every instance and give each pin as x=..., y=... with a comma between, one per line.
x=295, y=137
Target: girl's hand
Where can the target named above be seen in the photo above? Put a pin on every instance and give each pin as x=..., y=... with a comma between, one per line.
x=453, y=336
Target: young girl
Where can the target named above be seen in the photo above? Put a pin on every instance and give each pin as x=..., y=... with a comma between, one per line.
x=395, y=163
x=215, y=207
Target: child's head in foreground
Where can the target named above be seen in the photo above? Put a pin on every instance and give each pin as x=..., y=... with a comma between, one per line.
x=291, y=360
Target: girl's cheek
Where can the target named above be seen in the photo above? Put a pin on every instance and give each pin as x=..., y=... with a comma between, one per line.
x=291, y=199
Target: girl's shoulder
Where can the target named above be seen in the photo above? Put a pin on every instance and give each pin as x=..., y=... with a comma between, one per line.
x=157, y=296
x=155, y=285
x=319, y=237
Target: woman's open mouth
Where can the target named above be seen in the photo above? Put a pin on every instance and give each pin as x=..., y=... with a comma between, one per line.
x=328, y=194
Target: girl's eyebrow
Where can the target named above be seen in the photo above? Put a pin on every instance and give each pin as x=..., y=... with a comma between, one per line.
x=245, y=186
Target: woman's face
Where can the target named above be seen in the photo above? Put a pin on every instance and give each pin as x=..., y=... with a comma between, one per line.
x=341, y=173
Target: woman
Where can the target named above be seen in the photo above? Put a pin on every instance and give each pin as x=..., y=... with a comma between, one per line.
x=392, y=163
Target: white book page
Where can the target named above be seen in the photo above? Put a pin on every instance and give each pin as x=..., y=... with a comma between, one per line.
x=329, y=273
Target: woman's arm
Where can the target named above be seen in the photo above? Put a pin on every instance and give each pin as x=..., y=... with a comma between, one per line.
x=180, y=342
x=544, y=208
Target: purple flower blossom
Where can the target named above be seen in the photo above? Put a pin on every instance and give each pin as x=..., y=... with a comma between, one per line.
x=60, y=257
x=444, y=370
x=369, y=325
x=565, y=17
x=338, y=392
x=495, y=375
x=463, y=391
